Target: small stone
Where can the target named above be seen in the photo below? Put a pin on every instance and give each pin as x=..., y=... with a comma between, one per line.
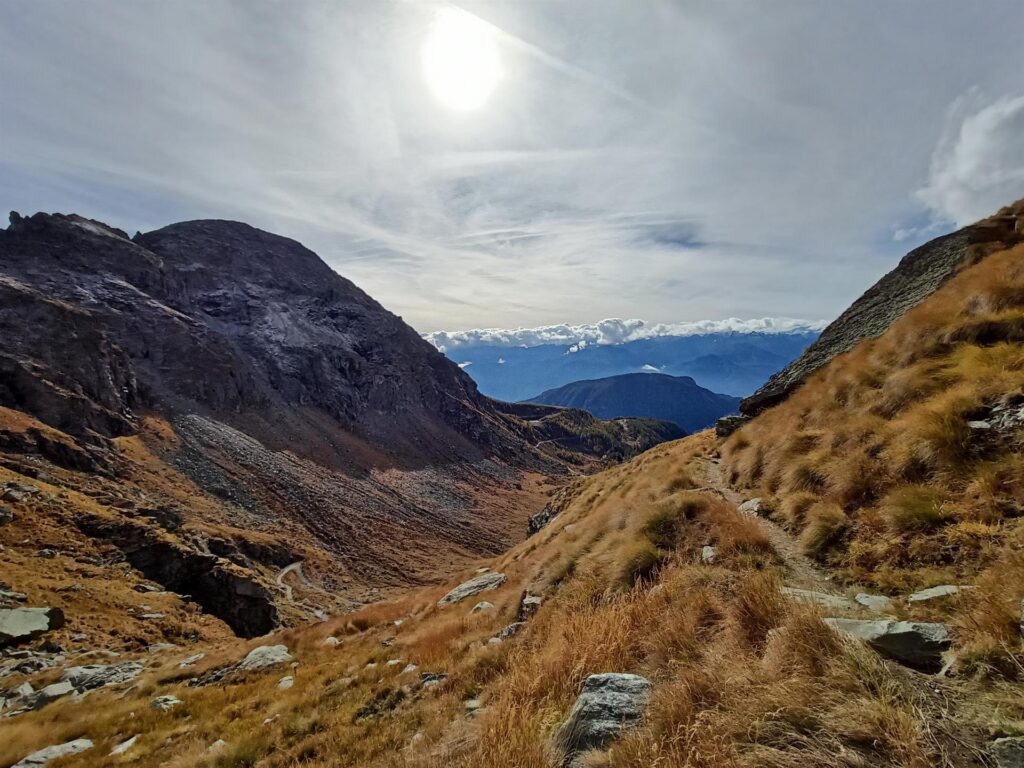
x=165, y=703
x=707, y=554
x=218, y=744
x=285, y=682
x=124, y=746
x=47, y=554
x=186, y=663
x=331, y=640
x=482, y=606
x=395, y=662
x=751, y=507
x=932, y=593
x=145, y=588
x=431, y=679
x=161, y=647
x=528, y=606
x=409, y=668
x=511, y=630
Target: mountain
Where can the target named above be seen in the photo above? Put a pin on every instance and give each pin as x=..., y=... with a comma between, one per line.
x=732, y=362
x=653, y=395
x=838, y=583
x=918, y=275
x=211, y=405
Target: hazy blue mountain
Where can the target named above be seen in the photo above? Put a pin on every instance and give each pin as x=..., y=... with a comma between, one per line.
x=652, y=395
x=729, y=362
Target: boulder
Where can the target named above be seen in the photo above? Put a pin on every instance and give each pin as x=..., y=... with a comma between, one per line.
x=430, y=679
x=18, y=625
x=917, y=644
x=528, y=605
x=707, y=554
x=482, y=606
x=43, y=756
x=482, y=583
x=608, y=704
x=726, y=425
x=45, y=695
x=877, y=603
x=1008, y=752
x=92, y=676
x=944, y=590
x=265, y=656
x=165, y=703
x=835, y=602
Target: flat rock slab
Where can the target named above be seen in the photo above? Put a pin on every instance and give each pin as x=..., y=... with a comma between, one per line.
x=482, y=583
x=945, y=590
x=824, y=599
x=1008, y=753
x=101, y=675
x=265, y=656
x=19, y=625
x=43, y=756
x=917, y=644
x=877, y=603
x=607, y=704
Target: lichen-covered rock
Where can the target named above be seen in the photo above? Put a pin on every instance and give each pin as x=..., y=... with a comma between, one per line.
x=1008, y=752
x=482, y=583
x=608, y=704
x=19, y=625
x=914, y=643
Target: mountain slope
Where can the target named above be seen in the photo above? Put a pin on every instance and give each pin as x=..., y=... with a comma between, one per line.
x=919, y=274
x=673, y=398
x=213, y=403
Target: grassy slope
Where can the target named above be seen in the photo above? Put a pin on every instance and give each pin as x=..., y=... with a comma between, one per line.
x=743, y=677
x=872, y=463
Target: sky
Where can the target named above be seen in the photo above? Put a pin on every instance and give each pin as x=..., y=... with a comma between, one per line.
x=530, y=163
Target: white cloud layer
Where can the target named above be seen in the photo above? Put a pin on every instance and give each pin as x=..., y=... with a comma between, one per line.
x=664, y=158
x=978, y=166
x=613, y=331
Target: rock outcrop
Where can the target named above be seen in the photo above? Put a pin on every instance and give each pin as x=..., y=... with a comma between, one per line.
x=918, y=275
x=482, y=583
x=44, y=756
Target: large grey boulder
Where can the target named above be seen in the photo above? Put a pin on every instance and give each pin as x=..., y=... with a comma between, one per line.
x=91, y=676
x=19, y=625
x=1008, y=752
x=917, y=644
x=608, y=704
x=47, y=694
x=43, y=756
x=264, y=657
x=482, y=583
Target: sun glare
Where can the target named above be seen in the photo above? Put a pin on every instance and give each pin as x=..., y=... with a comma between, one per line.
x=460, y=60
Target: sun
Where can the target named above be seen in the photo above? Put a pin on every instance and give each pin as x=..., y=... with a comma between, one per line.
x=460, y=60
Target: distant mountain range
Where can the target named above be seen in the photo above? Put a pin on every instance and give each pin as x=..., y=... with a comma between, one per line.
x=727, y=361
x=652, y=395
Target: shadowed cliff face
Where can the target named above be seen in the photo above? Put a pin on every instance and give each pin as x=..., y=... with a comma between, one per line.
x=221, y=317
x=918, y=275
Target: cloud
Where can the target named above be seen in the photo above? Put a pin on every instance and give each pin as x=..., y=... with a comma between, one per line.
x=978, y=166
x=666, y=159
x=613, y=331
x=649, y=367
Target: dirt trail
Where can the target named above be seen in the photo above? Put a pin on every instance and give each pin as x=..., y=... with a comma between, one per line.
x=800, y=571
